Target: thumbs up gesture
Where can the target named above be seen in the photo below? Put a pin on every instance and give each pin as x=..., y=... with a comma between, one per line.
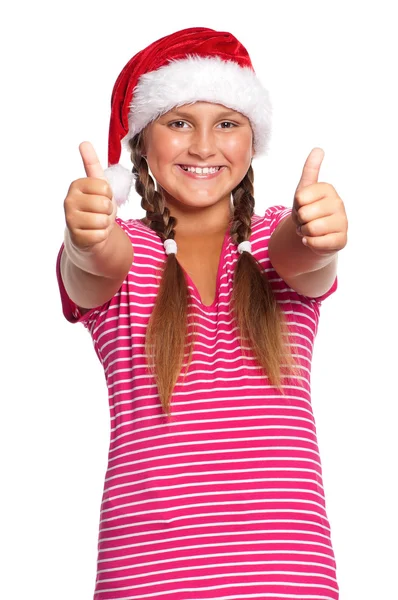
x=90, y=210
x=318, y=211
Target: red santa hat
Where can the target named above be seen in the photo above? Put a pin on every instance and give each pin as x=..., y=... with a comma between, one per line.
x=196, y=64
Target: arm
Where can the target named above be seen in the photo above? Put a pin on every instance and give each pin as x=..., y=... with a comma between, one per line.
x=91, y=278
x=304, y=271
x=97, y=253
x=304, y=247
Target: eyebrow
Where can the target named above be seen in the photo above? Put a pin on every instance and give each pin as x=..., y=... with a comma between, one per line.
x=186, y=115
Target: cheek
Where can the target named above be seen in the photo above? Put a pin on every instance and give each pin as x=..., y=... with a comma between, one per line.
x=239, y=148
x=165, y=151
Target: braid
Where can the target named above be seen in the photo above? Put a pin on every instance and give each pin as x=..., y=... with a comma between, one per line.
x=157, y=214
x=259, y=317
x=170, y=331
x=243, y=202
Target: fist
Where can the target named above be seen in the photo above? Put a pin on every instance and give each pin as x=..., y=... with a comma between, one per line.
x=318, y=211
x=90, y=210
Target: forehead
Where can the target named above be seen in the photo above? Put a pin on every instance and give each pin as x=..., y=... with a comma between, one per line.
x=205, y=108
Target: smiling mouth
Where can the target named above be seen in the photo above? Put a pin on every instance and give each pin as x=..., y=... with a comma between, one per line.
x=200, y=170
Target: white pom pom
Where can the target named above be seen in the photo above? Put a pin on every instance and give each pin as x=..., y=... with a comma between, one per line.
x=120, y=179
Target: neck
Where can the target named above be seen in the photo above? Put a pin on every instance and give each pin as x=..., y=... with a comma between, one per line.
x=208, y=221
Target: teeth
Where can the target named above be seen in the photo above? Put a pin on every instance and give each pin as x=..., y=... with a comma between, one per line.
x=201, y=171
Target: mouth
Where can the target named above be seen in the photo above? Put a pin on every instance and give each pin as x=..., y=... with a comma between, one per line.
x=200, y=172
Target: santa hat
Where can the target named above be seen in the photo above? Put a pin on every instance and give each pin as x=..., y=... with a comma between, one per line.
x=196, y=64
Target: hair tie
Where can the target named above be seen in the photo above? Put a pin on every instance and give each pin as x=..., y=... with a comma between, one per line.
x=245, y=247
x=170, y=246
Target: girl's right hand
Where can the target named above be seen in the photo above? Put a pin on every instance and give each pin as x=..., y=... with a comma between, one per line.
x=90, y=210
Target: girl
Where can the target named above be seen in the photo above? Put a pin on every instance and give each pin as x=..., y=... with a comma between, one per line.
x=203, y=315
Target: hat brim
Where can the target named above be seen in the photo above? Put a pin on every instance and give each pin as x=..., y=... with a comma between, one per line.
x=206, y=79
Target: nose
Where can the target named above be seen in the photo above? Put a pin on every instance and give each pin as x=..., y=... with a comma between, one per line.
x=203, y=143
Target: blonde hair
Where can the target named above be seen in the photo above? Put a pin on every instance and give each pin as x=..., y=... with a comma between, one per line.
x=171, y=333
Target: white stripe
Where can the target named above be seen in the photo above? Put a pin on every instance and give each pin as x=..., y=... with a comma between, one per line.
x=156, y=468
x=191, y=568
x=266, y=490
x=217, y=410
x=208, y=556
x=239, y=419
x=219, y=587
x=240, y=597
x=137, y=461
x=163, y=512
x=213, y=442
x=230, y=544
x=226, y=390
x=222, y=493
x=203, y=525
x=200, y=531
x=191, y=517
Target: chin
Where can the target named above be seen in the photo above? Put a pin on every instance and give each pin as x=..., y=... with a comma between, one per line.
x=194, y=200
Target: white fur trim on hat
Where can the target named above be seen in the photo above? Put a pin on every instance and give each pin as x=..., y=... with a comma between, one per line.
x=120, y=179
x=207, y=79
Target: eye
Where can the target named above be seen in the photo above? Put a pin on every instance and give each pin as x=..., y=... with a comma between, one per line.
x=178, y=124
x=227, y=125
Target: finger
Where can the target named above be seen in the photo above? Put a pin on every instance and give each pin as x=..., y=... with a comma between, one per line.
x=93, y=221
x=91, y=186
x=95, y=204
x=323, y=207
x=90, y=160
x=332, y=242
x=311, y=168
x=322, y=226
x=88, y=238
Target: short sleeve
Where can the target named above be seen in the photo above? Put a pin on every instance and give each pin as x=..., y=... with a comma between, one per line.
x=331, y=291
x=71, y=310
x=275, y=215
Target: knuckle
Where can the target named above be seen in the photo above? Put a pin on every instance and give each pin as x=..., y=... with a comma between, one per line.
x=301, y=214
x=103, y=188
x=79, y=184
x=73, y=185
x=70, y=199
x=77, y=239
x=317, y=228
x=310, y=229
x=108, y=206
x=70, y=221
x=104, y=221
x=101, y=235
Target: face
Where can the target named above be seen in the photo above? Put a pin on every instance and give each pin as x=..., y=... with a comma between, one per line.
x=198, y=153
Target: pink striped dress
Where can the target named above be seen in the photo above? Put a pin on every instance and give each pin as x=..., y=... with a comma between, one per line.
x=225, y=501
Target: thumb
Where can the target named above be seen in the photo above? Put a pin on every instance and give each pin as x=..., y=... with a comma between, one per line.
x=90, y=160
x=311, y=168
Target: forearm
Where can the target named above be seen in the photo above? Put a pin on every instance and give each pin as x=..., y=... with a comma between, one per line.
x=108, y=259
x=291, y=258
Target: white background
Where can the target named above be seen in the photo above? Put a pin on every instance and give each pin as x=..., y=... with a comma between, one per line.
x=331, y=71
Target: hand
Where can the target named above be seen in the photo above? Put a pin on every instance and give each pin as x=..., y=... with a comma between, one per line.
x=90, y=210
x=318, y=211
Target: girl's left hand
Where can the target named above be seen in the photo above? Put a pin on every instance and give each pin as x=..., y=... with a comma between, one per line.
x=318, y=211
